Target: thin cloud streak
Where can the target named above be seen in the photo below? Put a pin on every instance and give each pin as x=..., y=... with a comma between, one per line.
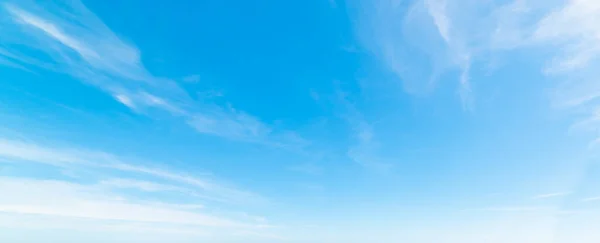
x=141, y=185
x=39, y=197
x=510, y=209
x=364, y=149
x=551, y=195
x=67, y=158
x=591, y=199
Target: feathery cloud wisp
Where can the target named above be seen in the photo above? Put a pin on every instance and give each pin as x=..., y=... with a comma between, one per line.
x=466, y=32
x=69, y=158
x=511, y=209
x=109, y=203
x=139, y=184
x=591, y=199
x=78, y=43
x=29, y=196
x=364, y=149
x=551, y=195
x=418, y=42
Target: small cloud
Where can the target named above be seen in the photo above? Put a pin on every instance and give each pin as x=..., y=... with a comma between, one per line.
x=30, y=196
x=437, y=11
x=230, y=124
x=140, y=185
x=591, y=199
x=125, y=100
x=551, y=195
x=465, y=91
x=510, y=209
x=364, y=151
x=138, y=101
x=195, y=78
x=78, y=158
x=369, y=160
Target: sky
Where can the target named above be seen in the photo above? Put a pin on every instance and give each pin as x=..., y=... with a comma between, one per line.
x=320, y=121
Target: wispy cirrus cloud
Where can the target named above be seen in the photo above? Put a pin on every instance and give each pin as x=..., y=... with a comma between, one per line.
x=574, y=28
x=7, y=62
x=417, y=42
x=364, y=149
x=140, y=185
x=364, y=152
x=551, y=195
x=511, y=209
x=31, y=196
x=591, y=199
x=56, y=204
x=76, y=42
x=420, y=40
x=110, y=197
x=15, y=150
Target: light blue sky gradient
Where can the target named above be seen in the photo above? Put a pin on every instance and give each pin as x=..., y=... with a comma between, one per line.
x=300, y=121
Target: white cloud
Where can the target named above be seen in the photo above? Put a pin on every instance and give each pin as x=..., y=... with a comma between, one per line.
x=591, y=199
x=34, y=204
x=79, y=31
x=418, y=43
x=68, y=229
x=437, y=10
x=572, y=31
x=56, y=198
x=73, y=158
x=512, y=209
x=125, y=100
x=364, y=149
x=9, y=63
x=105, y=206
x=141, y=185
x=551, y=195
x=31, y=152
x=78, y=43
x=240, y=126
x=53, y=32
x=82, y=46
x=235, y=125
x=573, y=27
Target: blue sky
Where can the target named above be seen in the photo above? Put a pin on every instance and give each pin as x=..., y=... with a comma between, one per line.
x=300, y=121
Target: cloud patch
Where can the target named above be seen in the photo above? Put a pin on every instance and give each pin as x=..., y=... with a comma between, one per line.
x=72, y=158
x=79, y=44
